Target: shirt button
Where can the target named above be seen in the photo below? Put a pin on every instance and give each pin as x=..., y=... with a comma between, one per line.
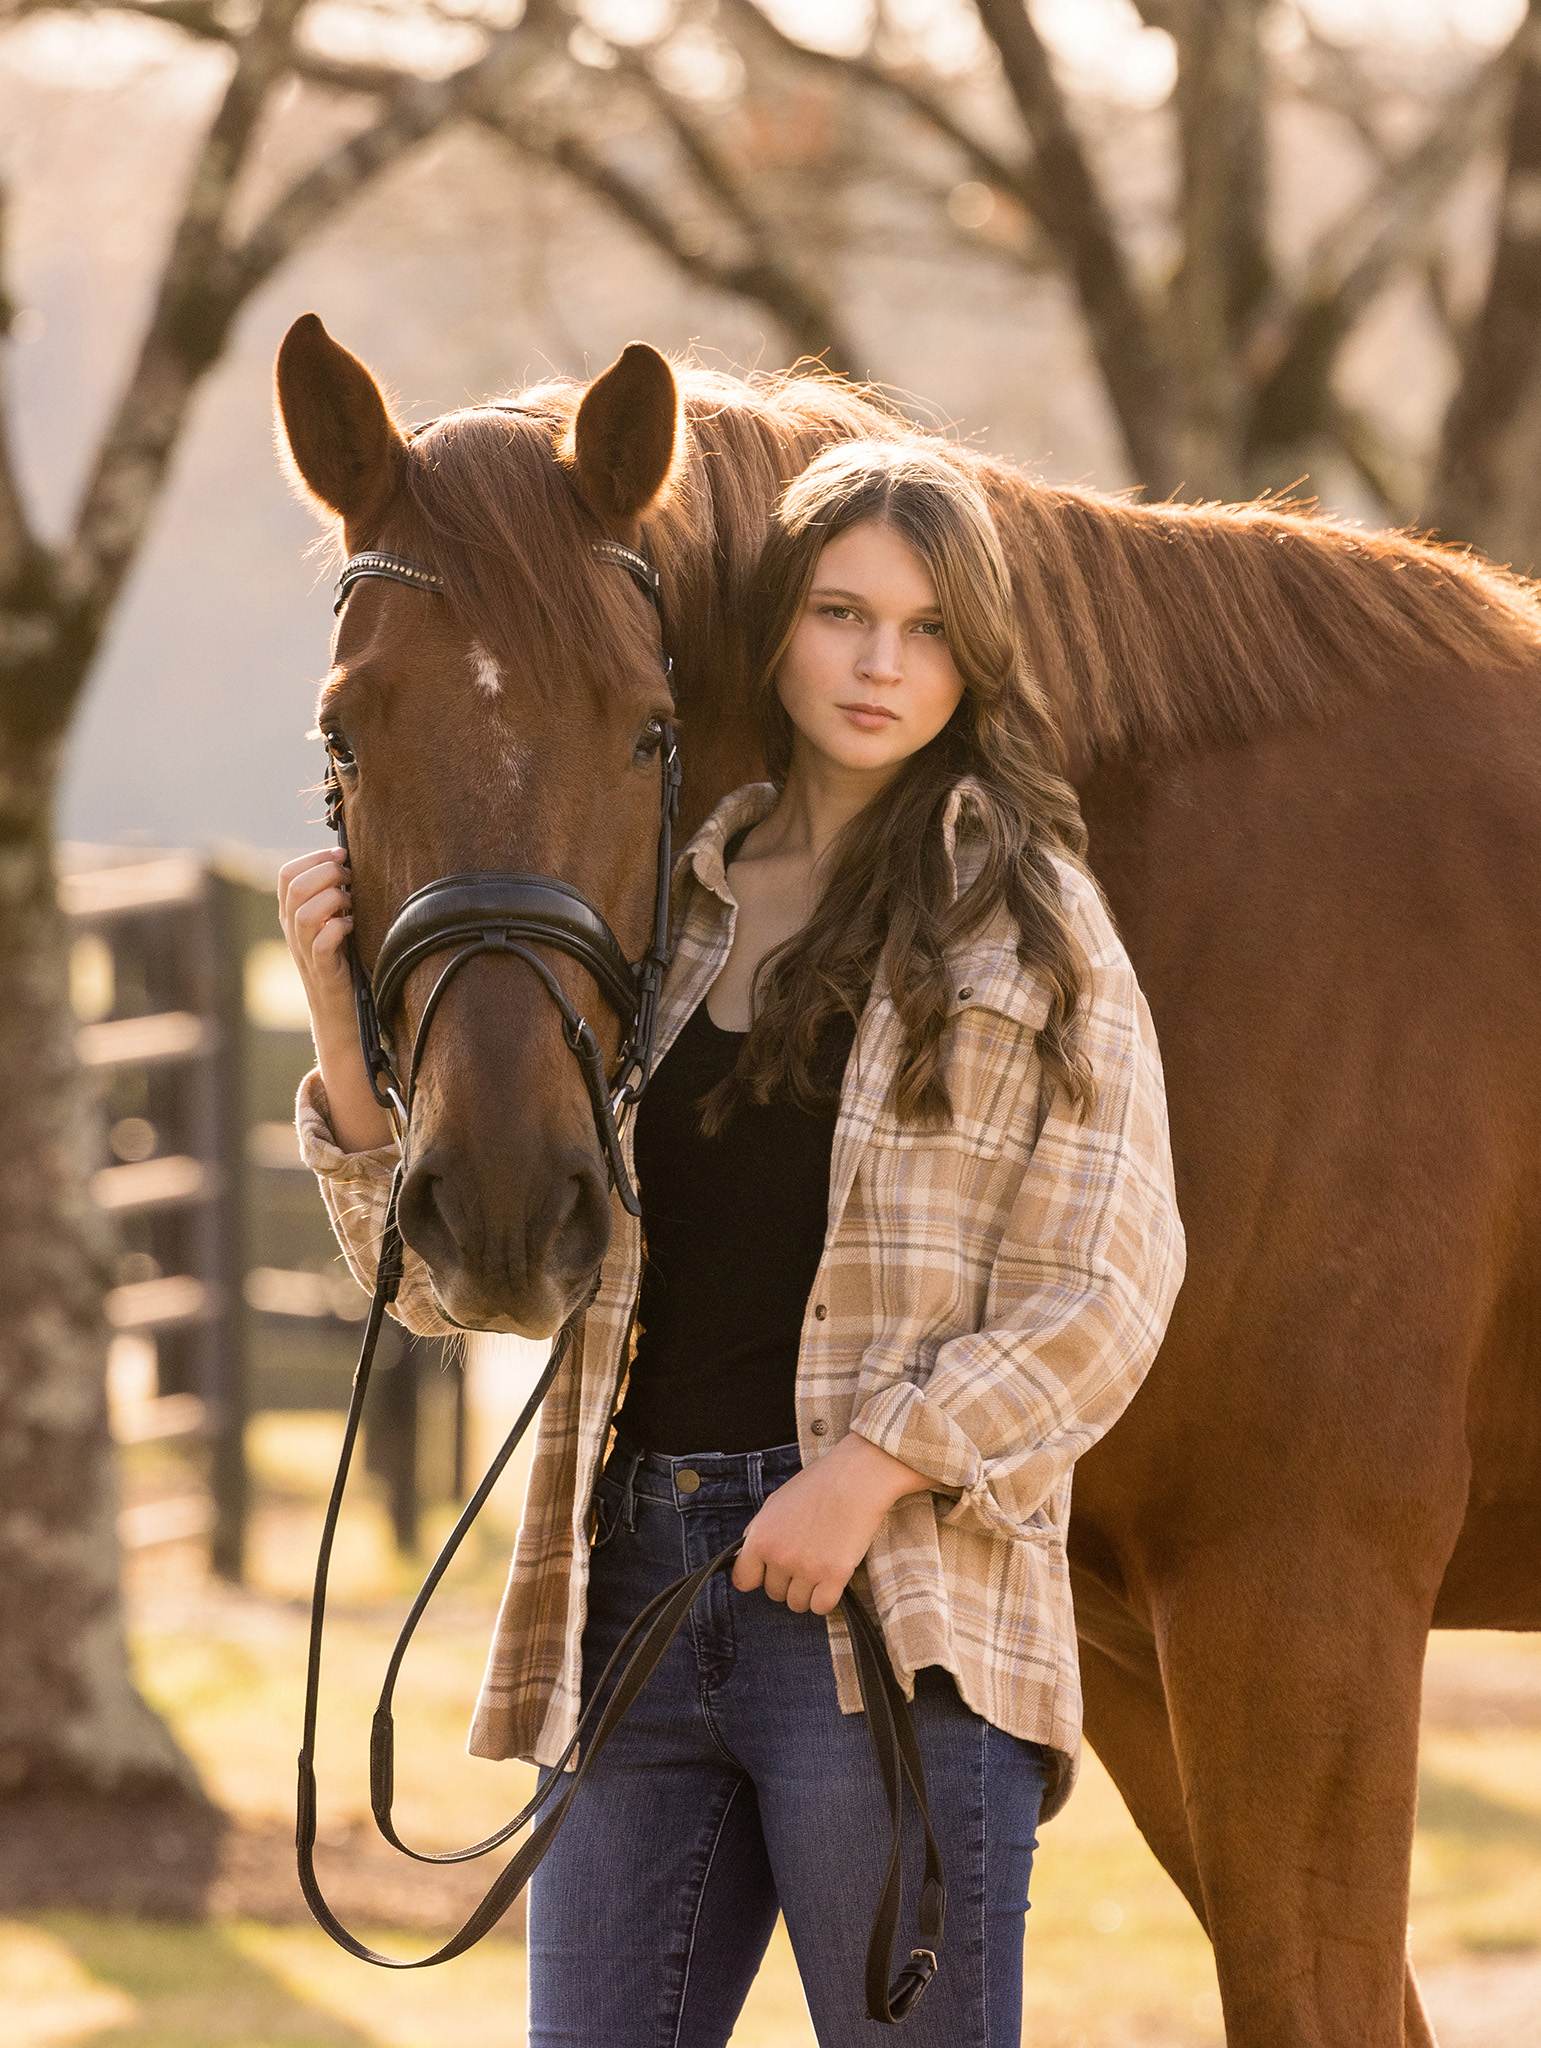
x=820, y=1311
x=818, y=1426
x=964, y=994
x=686, y=1480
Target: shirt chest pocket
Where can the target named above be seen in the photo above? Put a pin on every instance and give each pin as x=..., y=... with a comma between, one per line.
x=989, y=1061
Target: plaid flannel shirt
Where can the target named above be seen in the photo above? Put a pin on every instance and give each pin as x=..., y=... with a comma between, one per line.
x=988, y=1300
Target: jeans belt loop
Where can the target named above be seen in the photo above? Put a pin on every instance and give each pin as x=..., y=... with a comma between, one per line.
x=757, y=1478
x=629, y=1497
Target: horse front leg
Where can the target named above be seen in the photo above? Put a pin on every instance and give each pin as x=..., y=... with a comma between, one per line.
x=1293, y=1675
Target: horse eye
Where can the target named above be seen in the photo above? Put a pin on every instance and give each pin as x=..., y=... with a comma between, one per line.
x=648, y=742
x=338, y=748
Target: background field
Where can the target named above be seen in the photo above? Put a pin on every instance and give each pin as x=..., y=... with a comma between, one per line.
x=1114, y=1958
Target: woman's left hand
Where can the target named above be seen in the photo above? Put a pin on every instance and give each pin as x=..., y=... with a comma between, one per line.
x=812, y=1533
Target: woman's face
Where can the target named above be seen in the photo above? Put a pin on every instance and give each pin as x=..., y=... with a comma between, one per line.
x=867, y=679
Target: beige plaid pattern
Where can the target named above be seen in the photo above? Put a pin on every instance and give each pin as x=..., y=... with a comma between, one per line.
x=988, y=1301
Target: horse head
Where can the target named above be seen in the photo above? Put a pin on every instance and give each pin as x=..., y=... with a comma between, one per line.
x=509, y=720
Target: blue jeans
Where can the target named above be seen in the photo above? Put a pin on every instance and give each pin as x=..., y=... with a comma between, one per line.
x=736, y=1785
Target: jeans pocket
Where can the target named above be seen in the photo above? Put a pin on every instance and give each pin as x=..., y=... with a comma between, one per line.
x=604, y=1512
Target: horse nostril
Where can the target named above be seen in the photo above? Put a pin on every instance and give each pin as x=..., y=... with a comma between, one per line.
x=572, y=1233
x=420, y=1212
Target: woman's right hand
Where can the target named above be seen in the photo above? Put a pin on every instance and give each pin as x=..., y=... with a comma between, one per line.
x=315, y=908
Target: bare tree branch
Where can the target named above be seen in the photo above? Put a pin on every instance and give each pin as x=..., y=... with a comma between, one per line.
x=1015, y=176
x=1333, y=80
x=413, y=112
x=205, y=282
x=20, y=551
x=1392, y=472
x=635, y=205
x=1224, y=271
x=1503, y=348
x=1077, y=220
x=1289, y=354
x=1454, y=326
x=336, y=75
x=783, y=285
x=186, y=334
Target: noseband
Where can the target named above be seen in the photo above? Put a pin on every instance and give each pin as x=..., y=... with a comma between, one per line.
x=502, y=911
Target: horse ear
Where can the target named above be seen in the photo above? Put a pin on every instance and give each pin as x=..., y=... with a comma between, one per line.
x=341, y=440
x=625, y=440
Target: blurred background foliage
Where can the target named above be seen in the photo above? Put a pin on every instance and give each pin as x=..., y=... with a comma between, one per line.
x=1204, y=248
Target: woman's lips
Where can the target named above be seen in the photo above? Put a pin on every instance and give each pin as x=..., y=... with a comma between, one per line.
x=868, y=717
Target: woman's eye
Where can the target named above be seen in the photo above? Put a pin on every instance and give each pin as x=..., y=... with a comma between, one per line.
x=932, y=628
x=836, y=611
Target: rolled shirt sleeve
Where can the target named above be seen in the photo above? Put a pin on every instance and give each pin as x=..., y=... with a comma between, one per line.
x=1081, y=1288
x=356, y=1188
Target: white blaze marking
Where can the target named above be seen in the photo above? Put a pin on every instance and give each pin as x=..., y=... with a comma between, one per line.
x=485, y=672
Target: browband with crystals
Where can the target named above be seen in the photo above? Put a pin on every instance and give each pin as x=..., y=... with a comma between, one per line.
x=391, y=567
x=638, y=567
x=375, y=563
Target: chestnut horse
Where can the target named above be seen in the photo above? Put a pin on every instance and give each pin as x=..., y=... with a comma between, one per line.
x=1310, y=761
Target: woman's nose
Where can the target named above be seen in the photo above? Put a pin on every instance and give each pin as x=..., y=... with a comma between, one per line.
x=880, y=658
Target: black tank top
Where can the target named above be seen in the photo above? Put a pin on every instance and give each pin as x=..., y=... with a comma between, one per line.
x=733, y=1230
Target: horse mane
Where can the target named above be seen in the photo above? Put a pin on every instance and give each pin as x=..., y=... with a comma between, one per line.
x=1160, y=626
x=1174, y=626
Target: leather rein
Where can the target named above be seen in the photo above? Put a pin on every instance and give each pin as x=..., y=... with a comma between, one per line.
x=508, y=912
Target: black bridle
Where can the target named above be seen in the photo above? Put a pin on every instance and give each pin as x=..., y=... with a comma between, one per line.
x=499, y=911
x=508, y=912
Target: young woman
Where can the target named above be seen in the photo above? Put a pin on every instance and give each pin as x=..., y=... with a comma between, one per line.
x=911, y=1245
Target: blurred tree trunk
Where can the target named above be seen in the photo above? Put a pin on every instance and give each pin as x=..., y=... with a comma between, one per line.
x=70, y=1718
x=1488, y=486
x=1224, y=273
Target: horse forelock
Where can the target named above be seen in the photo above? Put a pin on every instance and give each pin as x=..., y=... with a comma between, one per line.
x=484, y=503
x=1168, y=625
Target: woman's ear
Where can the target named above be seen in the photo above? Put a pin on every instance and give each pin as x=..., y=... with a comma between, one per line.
x=625, y=441
x=338, y=433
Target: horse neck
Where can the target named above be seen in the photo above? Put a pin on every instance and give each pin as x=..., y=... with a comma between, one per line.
x=1176, y=627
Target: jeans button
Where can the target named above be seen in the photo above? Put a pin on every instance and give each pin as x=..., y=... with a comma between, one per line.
x=686, y=1480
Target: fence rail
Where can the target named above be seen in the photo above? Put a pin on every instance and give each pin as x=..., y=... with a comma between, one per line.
x=231, y=1299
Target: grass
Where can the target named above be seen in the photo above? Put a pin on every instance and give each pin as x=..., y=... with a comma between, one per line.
x=1114, y=1958
x=1477, y=1859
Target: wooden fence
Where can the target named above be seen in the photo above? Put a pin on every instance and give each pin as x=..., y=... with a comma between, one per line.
x=230, y=1296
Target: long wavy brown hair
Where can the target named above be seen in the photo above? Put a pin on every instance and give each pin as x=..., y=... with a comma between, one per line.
x=889, y=898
